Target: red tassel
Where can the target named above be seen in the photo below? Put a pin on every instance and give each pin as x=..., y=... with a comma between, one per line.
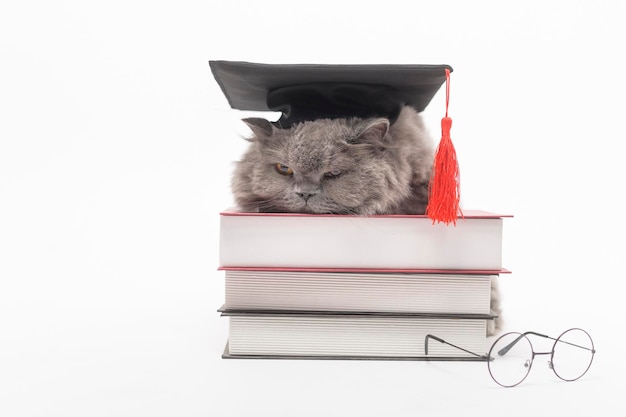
x=444, y=189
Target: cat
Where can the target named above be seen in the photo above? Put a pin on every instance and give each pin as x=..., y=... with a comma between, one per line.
x=339, y=166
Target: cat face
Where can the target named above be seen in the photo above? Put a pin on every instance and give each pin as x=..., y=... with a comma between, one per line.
x=339, y=166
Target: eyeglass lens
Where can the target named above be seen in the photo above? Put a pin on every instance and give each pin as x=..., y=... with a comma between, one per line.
x=509, y=368
x=572, y=354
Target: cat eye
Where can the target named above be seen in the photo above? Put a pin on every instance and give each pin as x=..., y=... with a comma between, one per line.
x=332, y=174
x=283, y=169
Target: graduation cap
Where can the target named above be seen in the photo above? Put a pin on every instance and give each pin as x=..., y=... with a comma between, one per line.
x=306, y=92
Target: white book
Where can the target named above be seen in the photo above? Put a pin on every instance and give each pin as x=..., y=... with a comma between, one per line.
x=324, y=290
x=413, y=242
x=353, y=336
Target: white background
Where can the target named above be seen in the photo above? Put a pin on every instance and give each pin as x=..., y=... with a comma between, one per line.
x=116, y=148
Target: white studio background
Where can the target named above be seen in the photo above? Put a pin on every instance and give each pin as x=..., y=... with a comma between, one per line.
x=116, y=148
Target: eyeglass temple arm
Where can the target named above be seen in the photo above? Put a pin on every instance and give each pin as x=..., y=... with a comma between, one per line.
x=440, y=340
x=508, y=347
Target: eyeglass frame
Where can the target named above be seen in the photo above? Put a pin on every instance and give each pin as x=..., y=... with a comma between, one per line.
x=487, y=357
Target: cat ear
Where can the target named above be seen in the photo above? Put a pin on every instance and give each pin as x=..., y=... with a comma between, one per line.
x=260, y=127
x=373, y=130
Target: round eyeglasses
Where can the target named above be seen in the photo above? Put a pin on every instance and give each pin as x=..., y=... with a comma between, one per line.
x=511, y=356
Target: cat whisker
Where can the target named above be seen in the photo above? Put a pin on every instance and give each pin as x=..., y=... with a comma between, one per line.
x=268, y=204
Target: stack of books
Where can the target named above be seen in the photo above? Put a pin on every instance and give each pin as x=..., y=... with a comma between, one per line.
x=311, y=286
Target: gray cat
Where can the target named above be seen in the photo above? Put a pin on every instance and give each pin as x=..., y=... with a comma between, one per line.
x=339, y=166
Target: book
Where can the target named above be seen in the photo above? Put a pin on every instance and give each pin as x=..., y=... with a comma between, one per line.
x=341, y=335
x=324, y=290
x=314, y=286
x=398, y=242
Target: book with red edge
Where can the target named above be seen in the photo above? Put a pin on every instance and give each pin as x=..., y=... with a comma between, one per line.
x=334, y=242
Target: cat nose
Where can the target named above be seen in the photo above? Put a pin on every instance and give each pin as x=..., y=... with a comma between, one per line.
x=306, y=196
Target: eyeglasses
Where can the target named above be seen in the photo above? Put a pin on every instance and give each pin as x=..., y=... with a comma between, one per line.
x=511, y=356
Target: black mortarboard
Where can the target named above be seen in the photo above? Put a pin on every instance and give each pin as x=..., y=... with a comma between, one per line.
x=303, y=92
